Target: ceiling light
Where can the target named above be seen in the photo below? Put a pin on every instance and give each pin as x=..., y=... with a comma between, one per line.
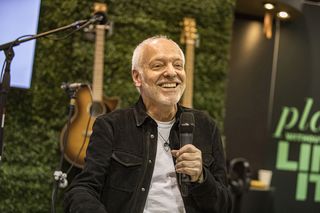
x=283, y=15
x=268, y=6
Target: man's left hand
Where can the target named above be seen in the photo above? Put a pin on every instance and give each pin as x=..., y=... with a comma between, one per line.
x=189, y=162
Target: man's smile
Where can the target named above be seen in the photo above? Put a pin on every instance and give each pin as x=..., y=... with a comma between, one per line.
x=168, y=85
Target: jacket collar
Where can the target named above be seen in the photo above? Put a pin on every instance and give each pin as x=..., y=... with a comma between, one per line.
x=140, y=112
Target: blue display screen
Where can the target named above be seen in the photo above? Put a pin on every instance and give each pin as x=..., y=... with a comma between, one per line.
x=18, y=18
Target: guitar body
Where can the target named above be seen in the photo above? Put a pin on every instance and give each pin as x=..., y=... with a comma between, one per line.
x=89, y=103
x=81, y=124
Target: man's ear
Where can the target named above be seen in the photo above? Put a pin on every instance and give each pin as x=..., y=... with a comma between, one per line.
x=136, y=77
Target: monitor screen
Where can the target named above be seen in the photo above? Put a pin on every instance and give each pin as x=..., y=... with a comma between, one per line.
x=18, y=18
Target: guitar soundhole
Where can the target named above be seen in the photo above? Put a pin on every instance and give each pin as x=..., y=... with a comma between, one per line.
x=97, y=109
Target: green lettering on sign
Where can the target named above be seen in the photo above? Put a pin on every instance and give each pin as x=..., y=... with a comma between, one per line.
x=305, y=114
x=313, y=122
x=302, y=187
x=315, y=178
x=315, y=165
x=283, y=123
x=308, y=164
x=305, y=153
x=282, y=158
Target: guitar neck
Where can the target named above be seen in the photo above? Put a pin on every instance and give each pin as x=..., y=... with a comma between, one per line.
x=97, y=84
x=187, y=99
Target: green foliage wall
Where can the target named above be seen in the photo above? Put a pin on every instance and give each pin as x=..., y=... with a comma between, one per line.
x=35, y=117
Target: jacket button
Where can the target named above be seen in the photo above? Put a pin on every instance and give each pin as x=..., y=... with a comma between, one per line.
x=150, y=161
x=152, y=136
x=143, y=189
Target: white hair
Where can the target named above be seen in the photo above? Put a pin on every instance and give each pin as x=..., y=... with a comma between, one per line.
x=138, y=51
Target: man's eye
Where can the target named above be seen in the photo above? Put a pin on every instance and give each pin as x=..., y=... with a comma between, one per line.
x=178, y=66
x=157, y=66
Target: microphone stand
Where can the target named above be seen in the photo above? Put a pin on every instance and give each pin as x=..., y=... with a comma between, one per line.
x=9, y=54
x=59, y=176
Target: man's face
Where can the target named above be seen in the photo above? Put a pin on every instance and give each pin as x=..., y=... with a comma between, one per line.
x=161, y=77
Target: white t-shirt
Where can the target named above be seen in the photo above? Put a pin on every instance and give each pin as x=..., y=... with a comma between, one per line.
x=164, y=195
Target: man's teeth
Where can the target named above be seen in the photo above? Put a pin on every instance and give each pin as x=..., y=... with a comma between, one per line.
x=169, y=85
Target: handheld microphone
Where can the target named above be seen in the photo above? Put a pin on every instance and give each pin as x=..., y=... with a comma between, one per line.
x=72, y=86
x=186, y=128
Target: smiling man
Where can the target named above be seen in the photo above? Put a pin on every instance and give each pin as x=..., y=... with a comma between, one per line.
x=158, y=73
x=134, y=155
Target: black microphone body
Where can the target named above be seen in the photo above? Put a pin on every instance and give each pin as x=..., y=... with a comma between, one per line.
x=186, y=128
x=185, y=138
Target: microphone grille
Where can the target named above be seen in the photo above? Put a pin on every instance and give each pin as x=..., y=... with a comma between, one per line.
x=186, y=122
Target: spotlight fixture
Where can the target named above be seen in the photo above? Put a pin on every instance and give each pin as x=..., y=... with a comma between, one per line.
x=283, y=15
x=268, y=6
x=271, y=10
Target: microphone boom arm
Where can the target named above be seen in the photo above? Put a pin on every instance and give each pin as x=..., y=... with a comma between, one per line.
x=9, y=54
x=78, y=24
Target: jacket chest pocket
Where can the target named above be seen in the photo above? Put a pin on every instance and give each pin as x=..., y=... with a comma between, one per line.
x=125, y=171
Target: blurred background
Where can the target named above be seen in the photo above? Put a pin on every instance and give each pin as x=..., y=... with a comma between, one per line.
x=255, y=70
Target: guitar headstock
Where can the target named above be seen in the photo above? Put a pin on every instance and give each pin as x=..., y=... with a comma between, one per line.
x=101, y=9
x=189, y=33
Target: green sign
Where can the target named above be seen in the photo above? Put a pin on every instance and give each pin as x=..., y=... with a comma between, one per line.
x=302, y=128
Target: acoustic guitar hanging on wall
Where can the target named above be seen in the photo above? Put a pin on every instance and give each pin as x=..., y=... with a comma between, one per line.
x=188, y=37
x=89, y=103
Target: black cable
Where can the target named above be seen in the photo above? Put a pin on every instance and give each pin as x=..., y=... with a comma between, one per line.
x=54, y=196
x=82, y=146
x=65, y=142
x=73, y=31
x=58, y=175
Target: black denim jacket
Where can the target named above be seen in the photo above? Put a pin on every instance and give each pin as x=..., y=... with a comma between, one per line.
x=120, y=161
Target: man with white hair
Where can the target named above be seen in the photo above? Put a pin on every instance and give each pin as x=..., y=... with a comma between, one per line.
x=134, y=156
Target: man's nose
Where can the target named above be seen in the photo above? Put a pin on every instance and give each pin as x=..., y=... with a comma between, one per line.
x=170, y=71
